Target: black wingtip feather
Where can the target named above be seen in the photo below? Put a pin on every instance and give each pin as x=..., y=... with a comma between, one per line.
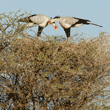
x=57, y=17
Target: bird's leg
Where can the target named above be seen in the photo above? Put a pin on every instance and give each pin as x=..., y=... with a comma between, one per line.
x=67, y=31
x=38, y=38
x=39, y=32
x=55, y=26
x=68, y=39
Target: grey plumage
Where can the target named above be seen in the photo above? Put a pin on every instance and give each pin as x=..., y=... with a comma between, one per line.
x=68, y=22
x=72, y=21
x=39, y=19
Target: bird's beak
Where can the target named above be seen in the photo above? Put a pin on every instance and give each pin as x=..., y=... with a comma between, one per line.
x=55, y=27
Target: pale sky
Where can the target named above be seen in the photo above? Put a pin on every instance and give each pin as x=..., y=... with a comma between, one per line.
x=97, y=11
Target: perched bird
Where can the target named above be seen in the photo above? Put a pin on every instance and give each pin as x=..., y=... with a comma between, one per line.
x=40, y=20
x=68, y=22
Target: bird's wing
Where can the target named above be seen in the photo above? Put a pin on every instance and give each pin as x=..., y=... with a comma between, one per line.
x=67, y=22
x=71, y=20
x=41, y=20
x=63, y=22
x=37, y=19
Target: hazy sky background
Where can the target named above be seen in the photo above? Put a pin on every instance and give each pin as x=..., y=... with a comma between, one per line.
x=97, y=11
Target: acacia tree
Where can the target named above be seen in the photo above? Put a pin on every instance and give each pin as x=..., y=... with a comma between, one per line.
x=37, y=74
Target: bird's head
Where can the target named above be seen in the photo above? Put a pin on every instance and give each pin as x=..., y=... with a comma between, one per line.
x=53, y=23
x=55, y=19
x=56, y=27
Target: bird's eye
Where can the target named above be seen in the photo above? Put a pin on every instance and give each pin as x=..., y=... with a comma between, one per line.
x=49, y=21
x=56, y=27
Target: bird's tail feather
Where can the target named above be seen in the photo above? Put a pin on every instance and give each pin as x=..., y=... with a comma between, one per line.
x=26, y=19
x=95, y=24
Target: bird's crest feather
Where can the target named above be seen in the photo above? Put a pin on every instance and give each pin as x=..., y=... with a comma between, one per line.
x=57, y=17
